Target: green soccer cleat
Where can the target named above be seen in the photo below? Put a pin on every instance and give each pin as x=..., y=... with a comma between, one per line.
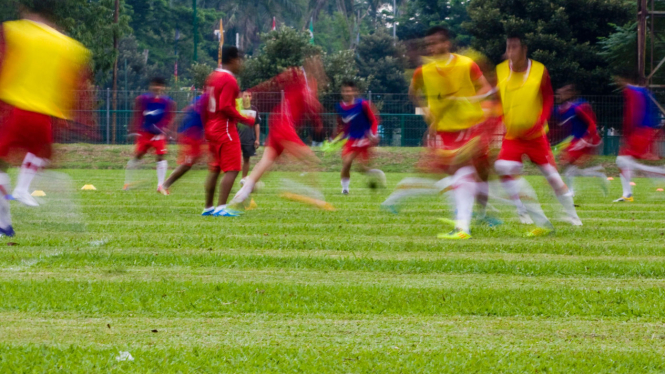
x=539, y=231
x=624, y=199
x=456, y=234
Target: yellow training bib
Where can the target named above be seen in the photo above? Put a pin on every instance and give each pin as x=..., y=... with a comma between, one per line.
x=41, y=68
x=521, y=98
x=450, y=93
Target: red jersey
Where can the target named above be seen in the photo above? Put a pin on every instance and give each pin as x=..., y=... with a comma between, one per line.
x=222, y=89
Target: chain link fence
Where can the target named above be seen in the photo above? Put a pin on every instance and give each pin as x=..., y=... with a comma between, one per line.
x=105, y=118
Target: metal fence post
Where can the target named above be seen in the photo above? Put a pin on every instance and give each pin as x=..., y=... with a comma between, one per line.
x=108, y=116
x=369, y=96
x=403, y=130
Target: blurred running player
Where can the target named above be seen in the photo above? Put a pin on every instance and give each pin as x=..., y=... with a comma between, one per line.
x=527, y=100
x=221, y=131
x=190, y=141
x=153, y=113
x=359, y=126
x=299, y=103
x=40, y=70
x=454, y=87
x=249, y=135
x=640, y=128
x=577, y=113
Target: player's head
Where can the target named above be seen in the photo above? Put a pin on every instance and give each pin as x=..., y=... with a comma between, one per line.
x=566, y=92
x=437, y=41
x=516, y=48
x=157, y=85
x=349, y=91
x=44, y=8
x=232, y=59
x=626, y=77
x=247, y=100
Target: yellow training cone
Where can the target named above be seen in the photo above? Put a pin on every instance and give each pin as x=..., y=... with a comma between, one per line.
x=89, y=187
x=38, y=193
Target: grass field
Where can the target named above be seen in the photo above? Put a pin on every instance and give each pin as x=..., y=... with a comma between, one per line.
x=289, y=289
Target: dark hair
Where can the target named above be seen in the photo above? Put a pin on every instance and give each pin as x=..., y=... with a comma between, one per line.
x=230, y=53
x=42, y=7
x=438, y=30
x=628, y=74
x=519, y=36
x=349, y=83
x=157, y=81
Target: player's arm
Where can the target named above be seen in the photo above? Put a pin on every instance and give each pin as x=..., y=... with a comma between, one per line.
x=586, y=114
x=373, y=120
x=417, y=89
x=481, y=84
x=227, y=103
x=548, y=98
x=137, y=119
x=257, y=128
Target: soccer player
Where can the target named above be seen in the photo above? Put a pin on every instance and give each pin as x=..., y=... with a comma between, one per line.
x=359, y=125
x=299, y=102
x=454, y=87
x=250, y=136
x=40, y=69
x=577, y=113
x=640, y=128
x=527, y=100
x=190, y=140
x=221, y=130
x=153, y=113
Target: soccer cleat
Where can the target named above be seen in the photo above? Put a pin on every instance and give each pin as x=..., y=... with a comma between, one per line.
x=490, y=221
x=624, y=199
x=539, y=231
x=390, y=208
x=208, y=212
x=163, y=191
x=345, y=192
x=24, y=197
x=456, y=234
x=8, y=232
x=525, y=219
x=226, y=212
x=308, y=200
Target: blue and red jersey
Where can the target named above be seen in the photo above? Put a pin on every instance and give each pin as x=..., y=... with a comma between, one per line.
x=581, y=118
x=153, y=114
x=640, y=109
x=192, y=123
x=357, y=119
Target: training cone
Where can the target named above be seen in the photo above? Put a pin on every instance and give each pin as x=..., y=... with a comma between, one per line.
x=659, y=189
x=633, y=184
x=38, y=193
x=88, y=187
x=610, y=178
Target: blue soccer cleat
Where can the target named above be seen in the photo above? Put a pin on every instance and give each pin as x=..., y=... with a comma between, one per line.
x=226, y=212
x=8, y=232
x=208, y=212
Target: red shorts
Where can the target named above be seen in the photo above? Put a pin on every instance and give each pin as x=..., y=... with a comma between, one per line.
x=639, y=144
x=359, y=147
x=453, y=149
x=280, y=137
x=25, y=131
x=225, y=156
x=146, y=140
x=537, y=150
x=574, y=153
x=190, y=150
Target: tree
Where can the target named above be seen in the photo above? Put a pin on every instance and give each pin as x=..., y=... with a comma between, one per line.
x=419, y=15
x=382, y=62
x=562, y=34
x=341, y=66
x=283, y=48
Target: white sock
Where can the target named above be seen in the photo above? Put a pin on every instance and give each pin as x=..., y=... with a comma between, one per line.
x=5, y=216
x=512, y=187
x=562, y=193
x=162, y=168
x=345, y=183
x=482, y=197
x=570, y=173
x=244, y=192
x=30, y=167
x=130, y=170
x=626, y=176
x=465, y=194
x=594, y=171
x=532, y=205
x=219, y=208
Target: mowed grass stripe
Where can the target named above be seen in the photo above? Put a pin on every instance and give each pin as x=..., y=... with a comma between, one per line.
x=432, y=282
x=329, y=330
x=190, y=298
x=311, y=358
x=525, y=265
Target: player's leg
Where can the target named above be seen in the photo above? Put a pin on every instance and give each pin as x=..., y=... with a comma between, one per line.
x=464, y=190
x=482, y=166
x=134, y=163
x=345, y=174
x=36, y=139
x=210, y=185
x=270, y=154
x=6, y=228
x=230, y=164
x=159, y=143
x=177, y=174
x=246, y=163
x=509, y=172
x=29, y=168
x=564, y=195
